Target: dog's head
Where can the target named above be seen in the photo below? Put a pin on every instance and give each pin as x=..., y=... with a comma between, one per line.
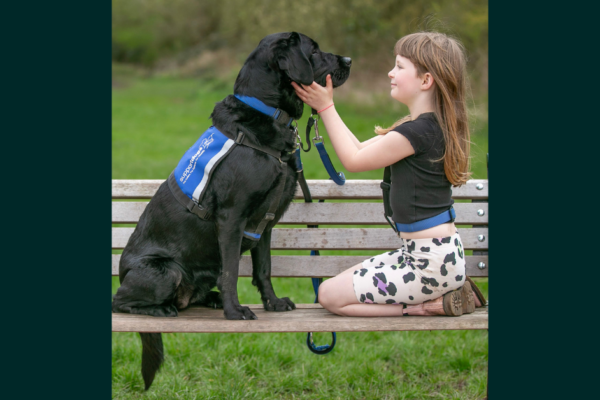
x=281, y=58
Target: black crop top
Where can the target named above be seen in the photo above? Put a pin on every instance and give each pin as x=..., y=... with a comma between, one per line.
x=420, y=189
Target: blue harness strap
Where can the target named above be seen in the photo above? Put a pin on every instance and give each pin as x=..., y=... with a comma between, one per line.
x=446, y=216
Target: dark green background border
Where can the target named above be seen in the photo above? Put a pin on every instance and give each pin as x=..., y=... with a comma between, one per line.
x=543, y=145
x=56, y=150
x=56, y=154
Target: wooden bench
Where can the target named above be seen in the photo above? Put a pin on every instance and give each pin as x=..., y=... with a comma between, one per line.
x=312, y=317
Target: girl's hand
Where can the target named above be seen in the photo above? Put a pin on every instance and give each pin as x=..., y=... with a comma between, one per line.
x=315, y=95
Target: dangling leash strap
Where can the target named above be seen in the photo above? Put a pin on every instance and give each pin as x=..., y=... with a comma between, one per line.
x=315, y=281
x=337, y=177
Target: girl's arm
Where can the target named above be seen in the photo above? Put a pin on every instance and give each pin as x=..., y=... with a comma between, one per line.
x=379, y=153
x=368, y=141
x=374, y=153
x=357, y=142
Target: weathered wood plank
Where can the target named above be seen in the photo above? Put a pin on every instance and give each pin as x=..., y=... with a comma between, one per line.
x=318, y=267
x=319, y=188
x=334, y=238
x=322, y=213
x=310, y=319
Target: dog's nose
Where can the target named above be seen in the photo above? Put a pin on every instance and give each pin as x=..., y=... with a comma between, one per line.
x=347, y=61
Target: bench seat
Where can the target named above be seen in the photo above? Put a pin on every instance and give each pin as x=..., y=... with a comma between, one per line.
x=305, y=318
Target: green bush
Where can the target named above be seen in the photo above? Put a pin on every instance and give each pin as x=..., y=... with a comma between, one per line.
x=146, y=31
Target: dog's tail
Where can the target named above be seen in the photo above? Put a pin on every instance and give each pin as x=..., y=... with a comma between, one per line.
x=152, y=356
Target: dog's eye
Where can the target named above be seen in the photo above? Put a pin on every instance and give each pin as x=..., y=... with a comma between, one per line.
x=315, y=52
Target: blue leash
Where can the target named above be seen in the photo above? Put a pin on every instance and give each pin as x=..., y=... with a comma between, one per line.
x=326, y=348
x=315, y=281
x=337, y=177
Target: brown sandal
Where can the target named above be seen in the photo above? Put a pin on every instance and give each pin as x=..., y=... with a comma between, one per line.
x=449, y=304
x=453, y=303
x=468, y=298
x=479, y=299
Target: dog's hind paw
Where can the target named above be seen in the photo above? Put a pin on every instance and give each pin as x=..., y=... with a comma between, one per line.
x=240, y=312
x=282, y=304
x=212, y=299
x=156, y=311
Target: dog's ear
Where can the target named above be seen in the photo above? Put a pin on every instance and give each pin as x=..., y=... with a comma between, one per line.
x=289, y=58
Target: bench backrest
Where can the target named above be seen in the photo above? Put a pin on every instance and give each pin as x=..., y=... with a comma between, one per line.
x=473, y=213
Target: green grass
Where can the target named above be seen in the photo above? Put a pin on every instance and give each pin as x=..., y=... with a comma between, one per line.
x=155, y=120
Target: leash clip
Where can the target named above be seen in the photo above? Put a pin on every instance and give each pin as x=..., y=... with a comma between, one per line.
x=295, y=133
x=317, y=137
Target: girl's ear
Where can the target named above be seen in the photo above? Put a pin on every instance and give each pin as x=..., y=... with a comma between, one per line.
x=427, y=81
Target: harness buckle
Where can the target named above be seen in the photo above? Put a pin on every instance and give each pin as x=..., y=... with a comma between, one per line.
x=269, y=216
x=240, y=137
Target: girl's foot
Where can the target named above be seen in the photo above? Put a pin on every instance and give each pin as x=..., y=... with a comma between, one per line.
x=468, y=298
x=449, y=304
x=479, y=299
x=453, y=303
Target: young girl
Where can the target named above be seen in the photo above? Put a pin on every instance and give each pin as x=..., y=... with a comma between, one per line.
x=428, y=152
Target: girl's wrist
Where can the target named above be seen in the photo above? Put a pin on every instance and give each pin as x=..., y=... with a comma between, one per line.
x=325, y=108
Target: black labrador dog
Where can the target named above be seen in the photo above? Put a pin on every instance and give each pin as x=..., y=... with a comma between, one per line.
x=174, y=257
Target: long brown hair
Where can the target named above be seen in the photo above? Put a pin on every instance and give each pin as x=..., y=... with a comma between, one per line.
x=444, y=58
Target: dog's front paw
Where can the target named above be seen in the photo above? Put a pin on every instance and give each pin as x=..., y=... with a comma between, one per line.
x=239, y=312
x=282, y=304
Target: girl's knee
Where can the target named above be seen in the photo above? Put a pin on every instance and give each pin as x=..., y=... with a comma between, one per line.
x=325, y=296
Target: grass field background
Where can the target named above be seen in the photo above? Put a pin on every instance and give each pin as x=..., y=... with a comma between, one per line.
x=155, y=120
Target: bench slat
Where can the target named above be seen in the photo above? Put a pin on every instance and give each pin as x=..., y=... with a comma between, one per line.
x=318, y=267
x=306, y=318
x=321, y=213
x=319, y=188
x=334, y=238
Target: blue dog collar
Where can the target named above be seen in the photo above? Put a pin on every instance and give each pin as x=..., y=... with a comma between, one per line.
x=446, y=216
x=255, y=103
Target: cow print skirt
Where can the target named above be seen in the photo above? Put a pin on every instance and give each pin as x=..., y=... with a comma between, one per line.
x=423, y=269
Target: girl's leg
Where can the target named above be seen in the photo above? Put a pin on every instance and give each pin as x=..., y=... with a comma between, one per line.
x=337, y=296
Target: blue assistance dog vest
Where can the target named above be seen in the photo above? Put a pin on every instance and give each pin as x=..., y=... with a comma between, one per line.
x=197, y=164
x=189, y=181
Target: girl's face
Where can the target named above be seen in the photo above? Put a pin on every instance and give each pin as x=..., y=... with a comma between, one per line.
x=406, y=85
